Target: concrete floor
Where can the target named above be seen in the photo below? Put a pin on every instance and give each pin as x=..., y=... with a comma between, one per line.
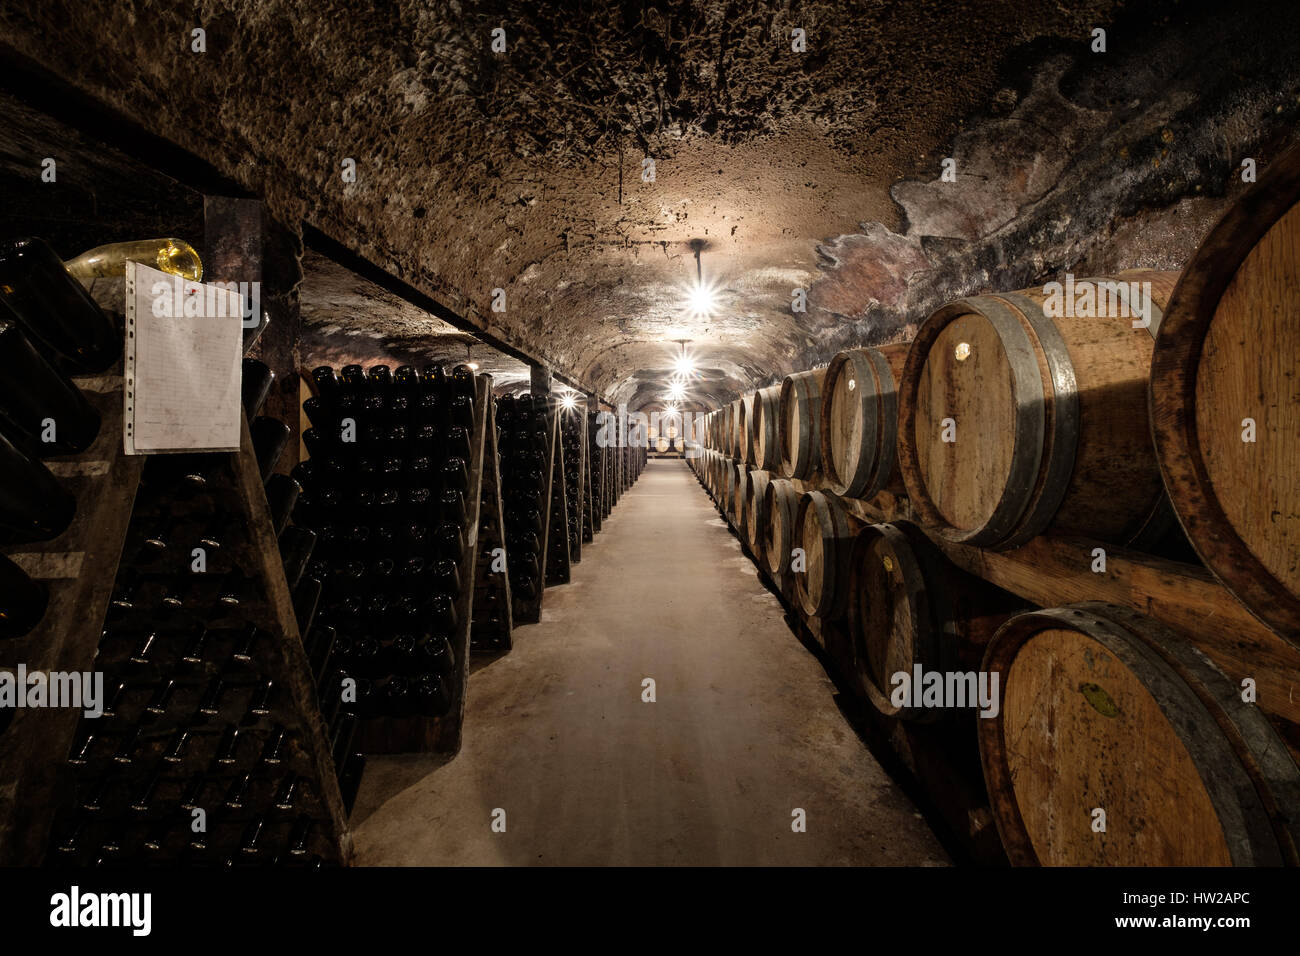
x=743, y=730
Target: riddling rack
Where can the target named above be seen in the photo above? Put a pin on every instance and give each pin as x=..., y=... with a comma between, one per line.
x=102, y=789
x=417, y=645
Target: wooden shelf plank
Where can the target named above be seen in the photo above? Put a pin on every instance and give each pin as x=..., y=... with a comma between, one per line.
x=1051, y=572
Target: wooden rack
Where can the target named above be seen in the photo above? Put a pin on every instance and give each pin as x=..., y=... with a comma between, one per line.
x=80, y=568
x=557, y=515
x=421, y=734
x=577, y=502
x=491, y=524
x=590, y=482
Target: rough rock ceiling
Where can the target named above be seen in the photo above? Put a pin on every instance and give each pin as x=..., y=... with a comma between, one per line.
x=347, y=319
x=522, y=170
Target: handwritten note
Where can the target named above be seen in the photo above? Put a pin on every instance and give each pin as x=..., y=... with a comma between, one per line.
x=184, y=343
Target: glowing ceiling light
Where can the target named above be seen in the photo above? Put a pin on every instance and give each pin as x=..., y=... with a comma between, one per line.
x=684, y=365
x=569, y=400
x=676, y=390
x=701, y=300
x=671, y=409
x=472, y=366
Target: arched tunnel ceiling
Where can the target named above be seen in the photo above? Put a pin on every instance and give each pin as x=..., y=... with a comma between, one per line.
x=522, y=171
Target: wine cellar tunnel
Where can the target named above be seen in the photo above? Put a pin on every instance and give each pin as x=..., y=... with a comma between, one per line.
x=655, y=433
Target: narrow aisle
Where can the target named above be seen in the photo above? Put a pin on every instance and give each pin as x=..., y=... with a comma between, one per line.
x=743, y=730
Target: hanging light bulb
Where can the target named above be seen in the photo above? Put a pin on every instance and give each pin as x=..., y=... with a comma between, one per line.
x=701, y=296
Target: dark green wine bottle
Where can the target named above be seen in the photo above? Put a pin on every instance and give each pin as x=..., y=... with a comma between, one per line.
x=22, y=600
x=54, y=309
x=34, y=393
x=33, y=505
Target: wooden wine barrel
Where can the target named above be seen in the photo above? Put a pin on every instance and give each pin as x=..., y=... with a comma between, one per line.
x=909, y=606
x=740, y=502
x=756, y=512
x=744, y=428
x=1228, y=351
x=662, y=444
x=825, y=531
x=1047, y=414
x=738, y=429
x=859, y=421
x=733, y=426
x=728, y=487
x=781, y=503
x=767, y=452
x=799, y=423
x=1102, y=708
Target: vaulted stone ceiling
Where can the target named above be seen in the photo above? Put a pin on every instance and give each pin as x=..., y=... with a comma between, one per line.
x=522, y=170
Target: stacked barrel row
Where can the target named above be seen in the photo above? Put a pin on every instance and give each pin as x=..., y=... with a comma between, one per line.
x=1153, y=411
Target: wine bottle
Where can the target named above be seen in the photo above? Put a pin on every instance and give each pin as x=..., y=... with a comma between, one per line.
x=434, y=379
x=192, y=795
x=462, y=378
x=161, y=698
x=33, y=505
x=299, y=836
x=144, y=649
x=449, y=541
x=143, y=799
x=210, y=704
x=400, y=654
x=255, y=386
x=270, y=438
x=406, y=381
x=458, y=443
x=341, y=741
x=233, y=590
x=173, y=256
x=38, y=402
x=54, y=309
x=237, y=792
x=260, y=704
x=396, y=697
x=22, y=600
x=354, y=380
x=442, y=613
x=436, y=655
x=281, y=496
x=276, y=748
x=460, y=412
x=286, y=797
x=524, y=583
x=432, y=695
x=380, y=378
x=455, y=475
x=452, y=507
x=350, y=776
x=250, y=844
x=98, y=794
x=446, y=577
x=296, y=547
x=320, y=651
x=228, y=746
